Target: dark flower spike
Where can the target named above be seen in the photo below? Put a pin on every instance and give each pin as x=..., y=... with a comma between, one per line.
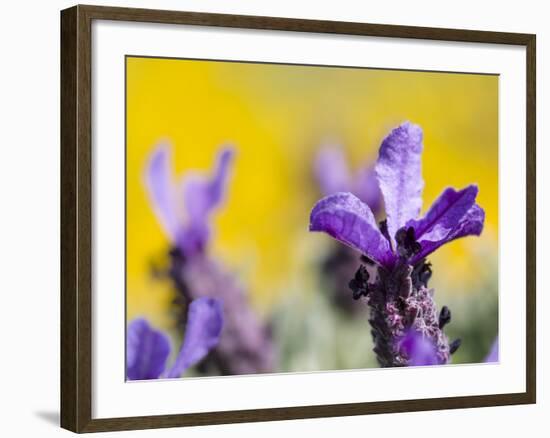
x=454, y=346
x=189, y=228
x=444, y=317
x=147, y=349
x=422, y=273
x=406, y=242
x=359, y=284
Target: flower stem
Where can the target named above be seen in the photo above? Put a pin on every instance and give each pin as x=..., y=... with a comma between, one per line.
x=399, y=300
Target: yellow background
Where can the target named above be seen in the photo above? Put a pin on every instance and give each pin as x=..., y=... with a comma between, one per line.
x=277, y=116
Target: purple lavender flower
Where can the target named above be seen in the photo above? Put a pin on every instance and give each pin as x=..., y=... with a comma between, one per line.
x=184, y=210
x=147, y=349
x=333, y=174
x=398, y=295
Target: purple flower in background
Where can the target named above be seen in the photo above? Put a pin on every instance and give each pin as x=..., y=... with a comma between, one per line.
x=398, y=295
x=493, y=353
x=147, y=349
x=333, y=175
x=184, y=209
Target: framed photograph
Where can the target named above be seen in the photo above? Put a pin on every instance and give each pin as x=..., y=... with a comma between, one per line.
x=270, y=218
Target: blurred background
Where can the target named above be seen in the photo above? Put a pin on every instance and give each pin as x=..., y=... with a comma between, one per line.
x=278, y=117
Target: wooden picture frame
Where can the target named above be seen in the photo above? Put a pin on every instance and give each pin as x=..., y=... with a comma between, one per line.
x=76, y=217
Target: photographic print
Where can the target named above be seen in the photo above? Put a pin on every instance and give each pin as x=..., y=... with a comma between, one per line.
x=268, y=218
x=287, y=218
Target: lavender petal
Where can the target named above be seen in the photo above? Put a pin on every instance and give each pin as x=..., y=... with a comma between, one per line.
x=147, y=350
x=471, y=224
x=418, y=349
x=201, y=196
x=202, y=333
x=331, y=170
x=444, y=214
x=350, y=221
x=399, y=173
x=159, y=185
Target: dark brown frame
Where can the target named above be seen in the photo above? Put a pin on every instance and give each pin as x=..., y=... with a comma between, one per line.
x=76, y=226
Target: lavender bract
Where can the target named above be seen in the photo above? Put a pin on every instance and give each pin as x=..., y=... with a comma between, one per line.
x=398, y=295
x=148, y=349
x=184, y=209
